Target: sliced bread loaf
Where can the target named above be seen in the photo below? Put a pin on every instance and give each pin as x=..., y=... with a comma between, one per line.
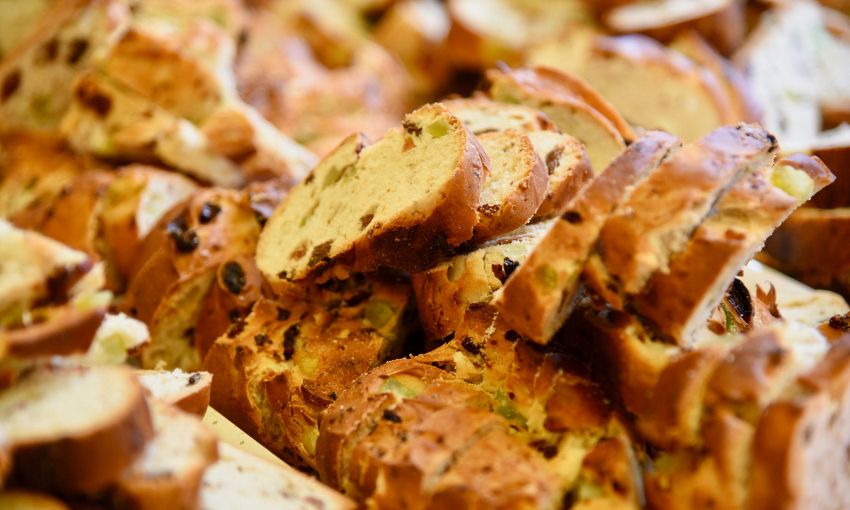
x=102, y=428
x=426, y=209
x=168, y=473
x=189, y=391
x=537, y=298
x=601, y=136
x=680, y=300
x=515, y=186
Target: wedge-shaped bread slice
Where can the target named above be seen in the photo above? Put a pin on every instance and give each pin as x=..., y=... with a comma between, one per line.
x=568, y=167
x=679, y=301
x=240, y=479
x=189, y=391
x=168, y=473
x=108, y=120
x=659, y=78
x=102, y=430
x=481, y=115
x=36, y=77
x=25, y=500
x=515, y=187
x=655, y=223
x=428, y=208
x=445, y=292
x=720, y=21
x=207, y=237
x=537, y=298
x=573, y=115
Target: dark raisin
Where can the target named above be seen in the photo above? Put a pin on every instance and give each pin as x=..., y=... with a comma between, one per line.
x=261, y=339
x=234, y=315
x=92, y=99
x=499, y=272
x=76, y=51
x=236, y=328
x=332, y=395
x=365, y=220
x=739, y=297
x=185, y=239
x=553, y=159
x=283, y=314
x=208, y=213
x=289, y=337
x=11, y=83
x=547, y=450
x=189, y=332
x=193, y=379
x=319, y=253
x=412, y=128
x=134, y=311
x=572, y=217
x=448, y=338
x=470, y=346
x=840, y=322
x=392, y=416
x=233, y=277
x=48, y=51
x=512, y=336
x=509, y=266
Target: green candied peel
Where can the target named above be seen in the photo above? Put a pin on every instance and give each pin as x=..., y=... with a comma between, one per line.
x=589, y=490
x=729, y=319
x=308, y=365
x=378, y=313
x=505, y=408
x=547, y=276
x=438, y=128
x=41, y=106
x=407, y=388
x=792, y=181
x=311, y=437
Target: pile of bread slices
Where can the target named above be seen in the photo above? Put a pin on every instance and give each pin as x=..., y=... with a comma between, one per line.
x=534, y=295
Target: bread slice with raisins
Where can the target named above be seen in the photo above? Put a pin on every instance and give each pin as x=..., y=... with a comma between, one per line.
x=537, y=298
x=514, y=188
x=424, y=181
x=445, y=292
x=188, y=391
x=481, y=115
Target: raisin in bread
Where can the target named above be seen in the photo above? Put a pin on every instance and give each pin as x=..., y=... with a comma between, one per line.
x=418, y=216
x=188, y=391
x=537, y=298
x=85, y=447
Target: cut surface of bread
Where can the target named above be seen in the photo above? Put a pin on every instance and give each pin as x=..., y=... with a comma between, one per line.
x=481, y=115
x=240, y=479
x=169, y=471
x=102, y=430
x=188, y=391
x=572, y=114
x=515, y=186
x=420, y=187
x=666, y=90
x=537, y=298
x=568, y=167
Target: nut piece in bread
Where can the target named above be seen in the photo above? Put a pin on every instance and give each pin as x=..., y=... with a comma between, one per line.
x=168, y=473
x=188, y=391
x=515, y=186
x=537, y=298
x=404, y=220
x=75, y=429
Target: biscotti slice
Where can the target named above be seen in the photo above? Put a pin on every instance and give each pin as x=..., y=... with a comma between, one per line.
x=568, y=167
x=36, y=77
x=654, y=224
x=679, y=301
x=515, y=186
x=537, y=298
x=573, y=116
x=481, y=115
x=445, y=292
x=422, y=212
x=111, y=121
x=189, y=391
x=659, y=78
x=240, y=479
x=25, y=500
x=75, y=429
x=720, y=21
x=168, y=473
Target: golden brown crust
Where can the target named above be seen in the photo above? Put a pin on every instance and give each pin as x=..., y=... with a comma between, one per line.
x=66, y=330
x=837, y=158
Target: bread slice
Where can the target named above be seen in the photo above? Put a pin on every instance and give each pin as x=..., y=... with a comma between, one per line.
x=36, y=77
x=417, y=217
x=205, y=236
x=133, y=203
x=55, y=331
x=168, y=474
x=601, y=136
x=481, y=115
x=109, y=120
x=720, y=21
x=659, y=77
x=809, y=247
x=679, y=301
x=239, y=478
x=86, y=447
x=637, y=242
x=537, y=298
x=24, y=500
x=117, y=338
x=188, y=391
x=515, y=187
x=445, y=292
